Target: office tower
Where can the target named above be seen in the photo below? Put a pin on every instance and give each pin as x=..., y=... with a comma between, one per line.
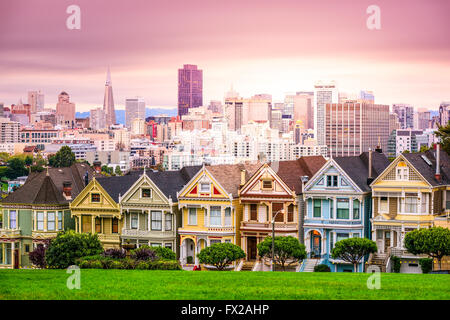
x=444, y=113
x=394, y=124
x=303, y=108
x=32, y=100
x=367, y=96
x=134, y=109
x=65, y=110
x=405, y=114
x=324, y=92
x=239, y=111
x=215, y=106
x=422, y=119
x=352, y=128
x=39, y=101
x=138, y=126
x=275, y=120
x=108, y=102
x=234, y=113
x=259, y=108
x=288, y=106
x=190, y=88
x=97, y=119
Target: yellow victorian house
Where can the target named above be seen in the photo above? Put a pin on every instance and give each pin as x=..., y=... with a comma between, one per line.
x=96, y=209
x=210, y=209
x=411, y=193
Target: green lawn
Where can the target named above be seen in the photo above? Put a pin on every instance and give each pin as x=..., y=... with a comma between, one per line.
x=149, y=284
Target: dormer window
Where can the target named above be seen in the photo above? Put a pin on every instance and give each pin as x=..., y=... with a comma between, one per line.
x=95, y=197
x=402, y=172
x=205, y=187
x=332, y=181
x=146, y=193
x=267, y=184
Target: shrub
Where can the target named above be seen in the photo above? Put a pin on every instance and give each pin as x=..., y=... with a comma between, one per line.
x=396, y=265
x=353, y=250
x=116, y=264
x=221, y=254
x=165, y=253
x=143, y=253
x=115, y=253
x=128, y=263
x=68, y=246
x=37, y=256
x=189, y=259
x=85, y=264
x=426, y=264
x=142, y=265
x=322, y=268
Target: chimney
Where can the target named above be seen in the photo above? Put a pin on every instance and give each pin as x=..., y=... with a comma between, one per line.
x=242, y=177
x=97, y=166
x=67, y=189
x=370, y=177
x=437, y=175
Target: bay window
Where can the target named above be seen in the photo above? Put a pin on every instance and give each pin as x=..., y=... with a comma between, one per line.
x=168, y=222
x=12, y=219
x=215, y=217
x=51, y=221
x=410, y=204
x=40, y=220
x=192, y=219
x=228, y=217
x=134, y=221
x=60, y=220
x=342, y=209
x=317, y=208
x=355, y=209
x=156, y=220
x=383, y=205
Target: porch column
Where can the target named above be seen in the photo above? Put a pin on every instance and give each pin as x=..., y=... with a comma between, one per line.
x=196, y=243
x=79, y=224
x=149, y=219
x=13, y=259
x=222, y=215
x=163, y=220
x=93, y=224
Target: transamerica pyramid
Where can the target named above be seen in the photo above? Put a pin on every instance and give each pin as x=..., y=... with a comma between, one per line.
x=108, y=102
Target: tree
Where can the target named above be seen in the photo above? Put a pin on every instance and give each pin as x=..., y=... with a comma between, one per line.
x=37, y=256
x=353, y=250
x=443, y=133
x=434, y=241
x=285, y=248
x=68, y=246
x=220, y=255
x=4, y=157
x=63, y=158
x=165, y=253
x=424, y=148
x=16, y=168
x=118, y=171
x=28, y=160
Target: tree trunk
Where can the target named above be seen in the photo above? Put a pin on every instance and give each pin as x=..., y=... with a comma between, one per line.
x=355, y=267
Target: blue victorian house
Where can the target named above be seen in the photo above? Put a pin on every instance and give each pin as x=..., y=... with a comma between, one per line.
x=338, y=206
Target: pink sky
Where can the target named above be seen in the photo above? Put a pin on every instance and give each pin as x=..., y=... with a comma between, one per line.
x=260, y=46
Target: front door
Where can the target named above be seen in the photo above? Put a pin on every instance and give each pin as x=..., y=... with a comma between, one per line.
x=16, y=259
x=387, y=240
x=315, y=245
x=251, y=248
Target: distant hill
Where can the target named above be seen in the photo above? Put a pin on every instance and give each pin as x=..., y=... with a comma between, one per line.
x=120, y=114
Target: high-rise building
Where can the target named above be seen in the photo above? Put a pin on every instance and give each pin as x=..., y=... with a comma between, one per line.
x=9, y=131
x=190, y=88
x=108, y=102
x=405, y=114
x=352, y=128
x=422, y=119
x=444, y=113
x=394, y=124
x=32, y=100
x=303, y=108
x=97, y=119
x=138, y=126
x=134, y=109
x=65, y=110
x=324, y=92
x=239, y=111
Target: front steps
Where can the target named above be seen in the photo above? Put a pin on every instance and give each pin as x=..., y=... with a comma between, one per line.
x=248, y=266
x=310, y=264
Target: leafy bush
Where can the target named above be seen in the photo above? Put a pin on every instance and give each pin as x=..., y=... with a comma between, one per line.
x=37, y=256
x=322, y=268
x=426, y=264
x=165, y=253
x=221, y=254
x=396, y=265
x=143, y=253
x=115, y=253
x=116, y=264
x=285, y=248
x=353, y=250
x=142, y=265
x=68, y=246
x=189, y=259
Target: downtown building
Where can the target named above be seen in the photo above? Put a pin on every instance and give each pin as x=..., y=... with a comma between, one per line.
x=324, y=92
x=134, y=109
x=405, y=114
x=354, y=127
x=108, y=102
x=190, y=88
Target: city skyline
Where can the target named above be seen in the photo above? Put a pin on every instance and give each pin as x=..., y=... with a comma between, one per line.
x=254, y=56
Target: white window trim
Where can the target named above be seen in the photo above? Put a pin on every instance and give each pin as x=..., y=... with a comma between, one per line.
x=189, y=217
x=379, y=205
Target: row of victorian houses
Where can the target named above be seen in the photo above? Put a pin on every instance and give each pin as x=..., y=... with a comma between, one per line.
x=317, y=200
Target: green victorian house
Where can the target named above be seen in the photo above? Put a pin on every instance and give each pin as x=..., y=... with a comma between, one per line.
x=35, y=212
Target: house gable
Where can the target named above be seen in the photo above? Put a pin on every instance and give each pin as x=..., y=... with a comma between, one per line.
x=94, y=196
x=265, y=181
x=144, y=192
x=319, y=182
x=203, y=185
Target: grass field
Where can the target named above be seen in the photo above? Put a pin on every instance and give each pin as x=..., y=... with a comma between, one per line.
x=149, y=284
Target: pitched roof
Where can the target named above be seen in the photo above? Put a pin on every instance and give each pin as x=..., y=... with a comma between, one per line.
x=427, y=171
x=169, y=182
x=357, y=167
x=40, y=188
x=291, y=171
x=229, y=175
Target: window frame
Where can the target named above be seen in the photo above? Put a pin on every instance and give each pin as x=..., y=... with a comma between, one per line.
x=215, y=213
x=156, y=221
x=334, y=181
x=314, y=207
x=168, y=222
x=342, y=200
x=114, y=223
x=11, y=220
x=38, y=221
x=266, y=187
x=227, y=215
x=99, y=224
x=356, y=208
x=92, y=197
x=192, y=214
x=146, y=189
x=380, y=206
x=204, y=184
x=134, y=220
x=51, y=221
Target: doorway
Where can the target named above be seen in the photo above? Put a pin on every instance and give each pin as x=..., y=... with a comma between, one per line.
x=315, y=244
x=16, y=258
x=251, y=248
x=387, y=240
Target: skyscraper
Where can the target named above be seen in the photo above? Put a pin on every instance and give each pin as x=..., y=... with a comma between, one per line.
x=134, y=109
x=190, y=88
x=324, y=92
x=108, y=102
x=303, y=108
x=444, y=113
x=352, y=128
x=65, y=110
x=97, y=119
x=405, y=114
